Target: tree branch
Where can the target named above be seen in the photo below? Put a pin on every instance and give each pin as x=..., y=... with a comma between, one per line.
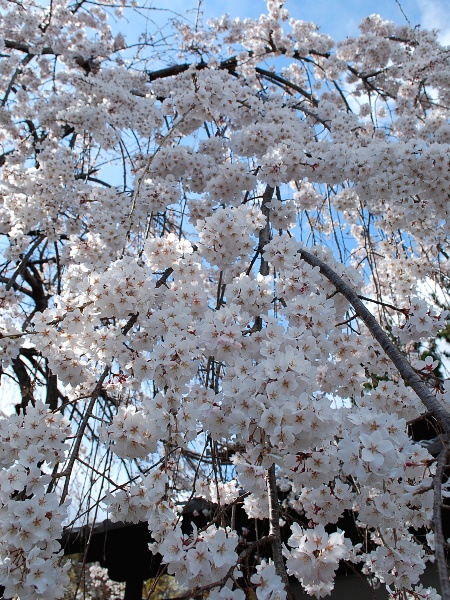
x=25, y=384
x=76, y=449
x=23, y=263
x=274, y=531
x=274, y=77
x=409, y=375
x=264, y=233
x=12, y=45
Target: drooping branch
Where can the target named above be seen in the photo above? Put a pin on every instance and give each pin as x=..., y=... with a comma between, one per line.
x=408, y=374
x=88, y=414
x=79, y=437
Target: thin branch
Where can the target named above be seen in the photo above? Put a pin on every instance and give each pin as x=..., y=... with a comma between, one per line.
x=384, y=304
x=274, y=77
x=74, y=455
x=16, y=73
x=20, y=269
x=12, y=45
x=16, y=286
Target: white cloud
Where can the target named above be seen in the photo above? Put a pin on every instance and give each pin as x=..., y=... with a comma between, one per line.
x=435, y=14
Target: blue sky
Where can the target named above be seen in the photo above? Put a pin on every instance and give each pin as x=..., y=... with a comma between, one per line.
x=338, y=18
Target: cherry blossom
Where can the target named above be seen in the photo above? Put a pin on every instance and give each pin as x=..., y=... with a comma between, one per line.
x=215, y=275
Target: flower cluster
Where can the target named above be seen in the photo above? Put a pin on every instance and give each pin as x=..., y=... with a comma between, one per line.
x=206, y=558
x=141, y=501
x=238, y=225
x=132, y=434
x=31, y=519
x=314, y=557
x=268, y=582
